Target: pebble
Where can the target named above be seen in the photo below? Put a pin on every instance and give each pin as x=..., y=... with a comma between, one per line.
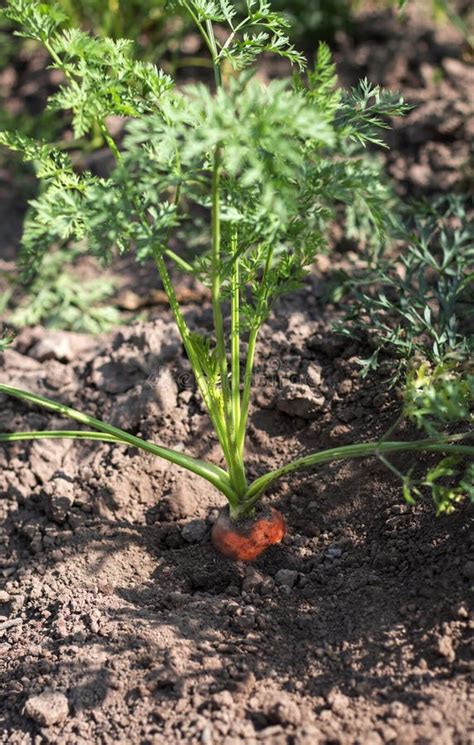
x=223, y=699
x=444, y=647
x=345, y=387
x=462, y=610
x=9, y=623
x=338, y=702
x=468, y=570
x=4, y=596
x=334, y=553
x=287, y=711
x=195, y=531
x=286, y=577
x=50, y=707
x=252, y=580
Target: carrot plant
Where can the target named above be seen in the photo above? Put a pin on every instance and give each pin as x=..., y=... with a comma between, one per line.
x=249, y=174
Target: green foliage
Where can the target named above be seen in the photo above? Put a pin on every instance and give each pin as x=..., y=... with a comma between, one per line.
x=37, y=21
x=260, y=170
x=418, y=308
x=7, y=337
x=450, y=483
x=435, y=397
x=56, y=298
x=420, y=304
x=103, y=80
x=255, y=30
x=438, y=396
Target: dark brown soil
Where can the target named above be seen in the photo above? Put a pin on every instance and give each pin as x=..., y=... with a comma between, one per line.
x=118, y=621
x=430, y=148
x=355, y=630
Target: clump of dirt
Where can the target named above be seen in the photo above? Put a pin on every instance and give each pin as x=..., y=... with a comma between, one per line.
x=120, y=623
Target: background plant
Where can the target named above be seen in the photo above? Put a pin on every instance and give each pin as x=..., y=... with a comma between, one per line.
x=266, y=165
x=57, y=298
x=416, y=309
x=418, y=302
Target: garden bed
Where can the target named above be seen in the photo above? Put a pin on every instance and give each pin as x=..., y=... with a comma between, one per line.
x=355, y=630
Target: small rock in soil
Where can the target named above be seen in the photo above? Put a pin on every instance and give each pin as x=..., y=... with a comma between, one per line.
x=468, y=570
x=287, y=712
x=165, y=391
x=445, y=648
x=300, y=400
x=195, y=531
x=252, y=580
x=286, y=577
x=185, y=499
x=47, y=708
x=223, y=699
x=334, y=553
x=58, y=498
x=338, y=702
x=58, y=345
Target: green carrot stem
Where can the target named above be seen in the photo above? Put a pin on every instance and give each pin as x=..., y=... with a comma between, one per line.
x=251, y=358
x=235, y=333
x=201, y=381
x=249, y=363
x=215, y=475
x=236, y=468
x=58, y=434
x=443, y=444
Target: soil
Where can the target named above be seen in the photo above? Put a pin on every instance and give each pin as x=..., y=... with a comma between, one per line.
x=430, y=148
x=119, y=623
x=356, y=629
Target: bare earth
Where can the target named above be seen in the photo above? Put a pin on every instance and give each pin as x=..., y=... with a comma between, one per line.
x=118, y=622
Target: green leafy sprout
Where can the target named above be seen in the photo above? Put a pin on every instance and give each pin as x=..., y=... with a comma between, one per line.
x=419, y=305
x=267, y=166
x=55, y=297
x=7, y=337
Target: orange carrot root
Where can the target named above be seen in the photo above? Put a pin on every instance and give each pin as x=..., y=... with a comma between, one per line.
x=246, y=539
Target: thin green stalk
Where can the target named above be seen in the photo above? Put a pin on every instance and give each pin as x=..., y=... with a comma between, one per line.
x=235, y=333
x=201, y=381
x=216, y=280
x=390, y=466
x=110, y=141
x=179, y=261
x=215, y=475
x=251, y=358
x=200, y=27
x=215, y=55
x=249, y=363
x=445, y=444
x=58, y=434
x=232, y=35
x=393, y=427
x=236, y=466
